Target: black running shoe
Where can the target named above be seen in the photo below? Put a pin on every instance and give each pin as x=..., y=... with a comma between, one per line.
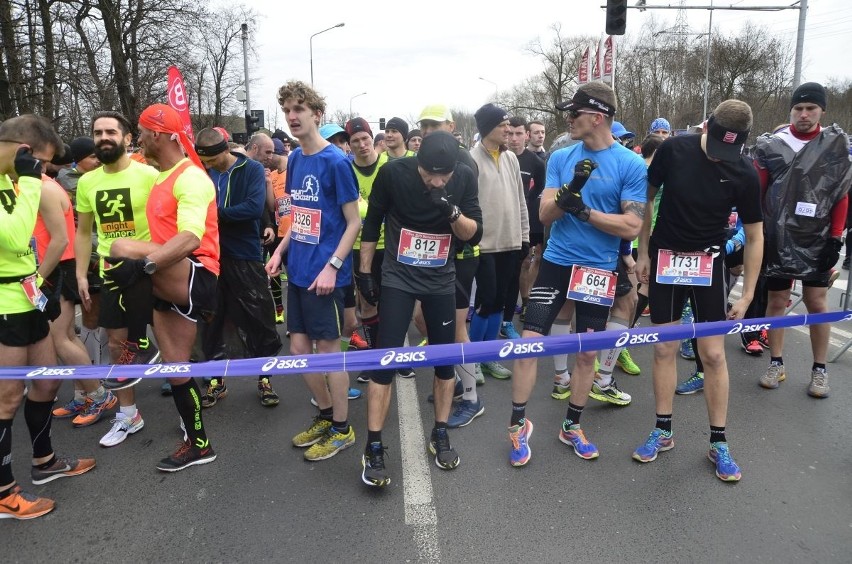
x=185, y=456
x=439, y=445
x=373, y=464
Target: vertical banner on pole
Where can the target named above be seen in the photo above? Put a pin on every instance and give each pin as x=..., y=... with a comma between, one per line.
x=179, y=100
x=583, y=71
x=596, y=64
x=609, y=61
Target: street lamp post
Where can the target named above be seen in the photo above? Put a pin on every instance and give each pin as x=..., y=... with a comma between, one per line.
x=311, y=46
x=350, y=103
x=492, y=83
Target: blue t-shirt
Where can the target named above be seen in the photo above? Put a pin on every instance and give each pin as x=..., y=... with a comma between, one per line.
x=318, y=185
x=620, y=176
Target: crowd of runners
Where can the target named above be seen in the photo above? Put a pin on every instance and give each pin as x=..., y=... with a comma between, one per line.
x=350, y=237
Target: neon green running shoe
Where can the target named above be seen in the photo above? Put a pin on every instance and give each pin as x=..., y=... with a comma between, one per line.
x=625, y=362
x=318, y=429
x=333, y=442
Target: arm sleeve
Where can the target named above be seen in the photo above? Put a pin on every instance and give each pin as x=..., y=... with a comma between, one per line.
x=469, y=206
x=838, y=216
x=246, y=198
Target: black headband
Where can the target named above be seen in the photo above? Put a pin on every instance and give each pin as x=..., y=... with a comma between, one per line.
x=212, y=150
x=583, y=100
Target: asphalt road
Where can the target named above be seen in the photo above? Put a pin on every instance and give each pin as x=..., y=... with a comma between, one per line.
x=261, y=501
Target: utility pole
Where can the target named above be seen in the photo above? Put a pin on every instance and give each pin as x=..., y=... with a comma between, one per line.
x=244, y=28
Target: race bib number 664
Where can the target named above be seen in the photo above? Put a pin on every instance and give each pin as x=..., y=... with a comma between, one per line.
x=592, y=285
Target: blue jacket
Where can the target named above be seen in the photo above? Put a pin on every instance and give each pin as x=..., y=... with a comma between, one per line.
x=240, y=199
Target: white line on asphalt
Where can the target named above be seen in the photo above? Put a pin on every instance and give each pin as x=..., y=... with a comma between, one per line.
x=420, y=511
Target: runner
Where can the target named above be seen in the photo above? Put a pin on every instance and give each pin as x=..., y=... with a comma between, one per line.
x=588, y=212
x=325, y=222
x=178, y=266
x=428, y=204
x=25, y=143
x=704, y=177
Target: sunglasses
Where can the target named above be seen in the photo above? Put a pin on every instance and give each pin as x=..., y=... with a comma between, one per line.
x=574, y=114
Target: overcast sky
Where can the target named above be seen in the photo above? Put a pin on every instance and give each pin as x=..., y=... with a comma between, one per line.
x=406, y=55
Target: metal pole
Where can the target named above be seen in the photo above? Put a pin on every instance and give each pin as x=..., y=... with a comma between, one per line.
x=245, y=64
x=350, y=103
x=800, y=43
x=707, y=62
x=311, y=47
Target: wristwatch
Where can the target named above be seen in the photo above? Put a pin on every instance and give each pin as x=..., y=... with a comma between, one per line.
x=149, y=267
x=335, y=262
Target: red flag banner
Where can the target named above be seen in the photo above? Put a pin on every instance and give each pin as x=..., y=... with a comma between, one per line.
x=583, y=71
x=608, y=59
x=596, y=68
x=179, y=101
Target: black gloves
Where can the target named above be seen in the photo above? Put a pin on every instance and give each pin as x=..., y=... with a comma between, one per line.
x=568, y=198
x=441, y=200
x=525, y=250
x=829, y=255
x=123, y=272
x=26, y=164
x=367, y=286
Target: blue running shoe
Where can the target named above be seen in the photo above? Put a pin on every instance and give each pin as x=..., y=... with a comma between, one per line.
x=354, y=393
x=686, y=350
x=575, y=437
x=726, y=469
x=465, y=412
x=694, y=383
x=520, y=436
x=658, y=441
x=508, y=331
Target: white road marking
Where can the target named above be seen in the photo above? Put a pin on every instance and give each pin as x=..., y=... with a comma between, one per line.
x=420, y=511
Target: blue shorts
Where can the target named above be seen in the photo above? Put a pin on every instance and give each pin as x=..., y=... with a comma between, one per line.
x=318, y=317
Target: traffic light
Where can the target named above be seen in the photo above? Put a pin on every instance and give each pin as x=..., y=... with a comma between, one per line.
x=382, y=124
x=254, y=121
x=616, y=17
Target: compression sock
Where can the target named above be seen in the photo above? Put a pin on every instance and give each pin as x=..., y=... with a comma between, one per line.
x=6, y=455
x=187, y=399
x=640, y=307
x=371, y=330
x=478, y=328
x=467, y=373
x=39, y=418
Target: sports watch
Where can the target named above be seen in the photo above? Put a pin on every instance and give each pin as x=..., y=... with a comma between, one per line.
x=149, y=267
x=335, y=262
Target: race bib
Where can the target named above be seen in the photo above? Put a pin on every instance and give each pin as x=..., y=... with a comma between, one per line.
x=592, y=285
x=423, y=249
x=283, y=206
x=305, y=226
x=805, y=209
x=686, y=269
x=33, y=292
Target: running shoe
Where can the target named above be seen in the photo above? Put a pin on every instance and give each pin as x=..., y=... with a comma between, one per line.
x=406, y=373
x=216, y=390
x=658, y=441
x=95, y=410
x=268, y=397
x=508, y=331
x=818, y=388
x=763, y=339
x=576, y=438
x=610, y=394
x=62, y=468
x=694, y=383
x=357, y=342
x=313, y=434
x=726, y=469
x=561, y=386
x=647, y=311
x=353, y=394
x=752, y=348
x=279, y=314
x=24, y=505
x=464, y=412
x=122, y=426
x=423, y=342
x=845, y=264
x=775, y=374
x=185, y=456
x=625, y=362
x=439, y=445
x=72, y=408
x=364, y=377
x=478, y=375
x=520, y=436
x=686, y=350
x=496, y=370
x=833, y=276
x=373, y=466
x=166, y=388
x=333, y=442
x=518, y=309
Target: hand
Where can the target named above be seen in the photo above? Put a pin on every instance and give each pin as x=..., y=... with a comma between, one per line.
x=570, y=201
x=829, y=255
x=642, y=269
x=83, y=292
x=441, y=200
x=325, y=281
x=26, y=164
x=582, y=171
x=273, y=265
x=367, y=287
x=268, y=235
x=525, y=250
x=738, y=310
x=123, y=272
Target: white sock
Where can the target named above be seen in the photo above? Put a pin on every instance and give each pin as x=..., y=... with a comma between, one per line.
x=468, y=380
x=98, y=395
x=560, y=361
x=609, y=357
x=562, y=378
x=128, y=410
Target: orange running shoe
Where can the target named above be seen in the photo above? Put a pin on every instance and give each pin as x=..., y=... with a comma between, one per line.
x=358, y=342
x=23, y=505
x=95, y=410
